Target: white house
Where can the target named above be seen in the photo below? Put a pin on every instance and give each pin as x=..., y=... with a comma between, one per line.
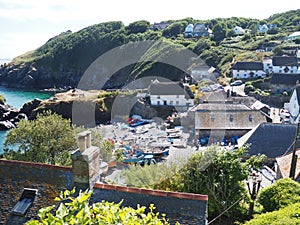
x=267, y=65
x=188, y=32
x=263, y=28
x=199, y=73
x=238, y=30
x=293, y=36
x=285, y=64
x=293, y=106
x=170, y=94
x=248, y=70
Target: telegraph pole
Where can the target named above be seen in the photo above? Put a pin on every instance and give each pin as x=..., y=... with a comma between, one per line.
x=294, y=156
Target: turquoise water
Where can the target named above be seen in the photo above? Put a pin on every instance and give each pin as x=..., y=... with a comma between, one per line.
x=16, y=98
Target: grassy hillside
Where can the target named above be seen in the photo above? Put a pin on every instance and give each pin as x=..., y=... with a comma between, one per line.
x=76, y=51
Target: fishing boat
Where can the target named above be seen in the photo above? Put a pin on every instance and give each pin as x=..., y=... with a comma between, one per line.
x=157, y=152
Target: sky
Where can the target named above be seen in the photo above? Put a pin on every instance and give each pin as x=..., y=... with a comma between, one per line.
x=27, y=24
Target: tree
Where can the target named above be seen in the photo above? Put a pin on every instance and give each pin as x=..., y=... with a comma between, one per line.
x=219, y=174
x=283, y=193
x=78, y=211
x=47, y=139
x=174, y=29
x=219, y=31
x=140, y=26
x=278, y=51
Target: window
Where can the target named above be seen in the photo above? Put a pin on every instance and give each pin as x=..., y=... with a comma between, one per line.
x=212, y=118
x=279, y=71
x=158, y=97
x=158, y=102
x=177, y=102
x=171, y=102
x=177, y=96
x=250, y=118
x=231, y=118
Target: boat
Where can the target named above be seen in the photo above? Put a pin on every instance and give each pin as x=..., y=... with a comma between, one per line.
x=157, y=152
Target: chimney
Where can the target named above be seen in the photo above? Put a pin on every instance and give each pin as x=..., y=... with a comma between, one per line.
x=88, y=139
x=82, y=141
x=85, y=163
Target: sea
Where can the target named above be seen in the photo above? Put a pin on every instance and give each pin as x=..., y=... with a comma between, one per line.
x=17, y=98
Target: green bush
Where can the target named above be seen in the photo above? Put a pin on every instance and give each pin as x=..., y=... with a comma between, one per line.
x=283, y=193
x=2, y=99
x=249, y=88
x=289, y=215
x=78, y=211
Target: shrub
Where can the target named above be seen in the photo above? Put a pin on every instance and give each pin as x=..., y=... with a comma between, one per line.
x=289, y=215
x=78, y=211
x=2, y=99
x=283, y=193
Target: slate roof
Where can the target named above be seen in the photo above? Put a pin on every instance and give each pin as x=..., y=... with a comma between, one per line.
x=285, y=79
x=221, y=107
x=169, y=88
x=15, y=175
x=271, y=139
x=248, y=66
x=285, y=61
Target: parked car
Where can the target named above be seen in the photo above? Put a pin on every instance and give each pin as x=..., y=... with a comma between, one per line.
x=236, y=83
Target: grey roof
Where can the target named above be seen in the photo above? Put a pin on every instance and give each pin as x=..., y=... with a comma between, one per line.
x=248, y=66
x=272, y=140
x=285, y=79
x=285, y=61
x=221, y=107
x=169, y=88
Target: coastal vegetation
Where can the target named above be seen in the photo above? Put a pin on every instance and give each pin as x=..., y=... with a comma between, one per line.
x=2, y=99
x=76, y=210
x=215, y=172
x=61, y=55
x=48, y=139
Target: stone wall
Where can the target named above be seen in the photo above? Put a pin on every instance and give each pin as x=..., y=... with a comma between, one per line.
x=186, y=208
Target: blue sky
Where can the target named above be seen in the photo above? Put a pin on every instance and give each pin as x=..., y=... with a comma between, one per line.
x=27, y=24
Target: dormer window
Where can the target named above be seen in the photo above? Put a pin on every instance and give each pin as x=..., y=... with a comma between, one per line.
x=158, y=97
x=26, y=200
x=231, y=118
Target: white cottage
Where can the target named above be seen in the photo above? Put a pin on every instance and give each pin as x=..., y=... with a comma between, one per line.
x=170, y=94
x=293, y=106
x=248, y=70
x=285, y=64
x=238, y=30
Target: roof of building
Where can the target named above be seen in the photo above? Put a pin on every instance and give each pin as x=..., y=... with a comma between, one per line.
x=284, y=163
x=221, y=107
x=295, y=34
x=16, y=175
x=247, y=66
x=272, y=140
x=285, y=79
x=285, y=61
x=169, y=88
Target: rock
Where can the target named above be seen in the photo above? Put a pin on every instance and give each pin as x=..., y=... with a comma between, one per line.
x=10, y=114
x=28, y=107
x=6, y=125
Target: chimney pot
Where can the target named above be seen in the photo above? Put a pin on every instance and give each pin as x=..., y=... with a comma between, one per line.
x=82, y=141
